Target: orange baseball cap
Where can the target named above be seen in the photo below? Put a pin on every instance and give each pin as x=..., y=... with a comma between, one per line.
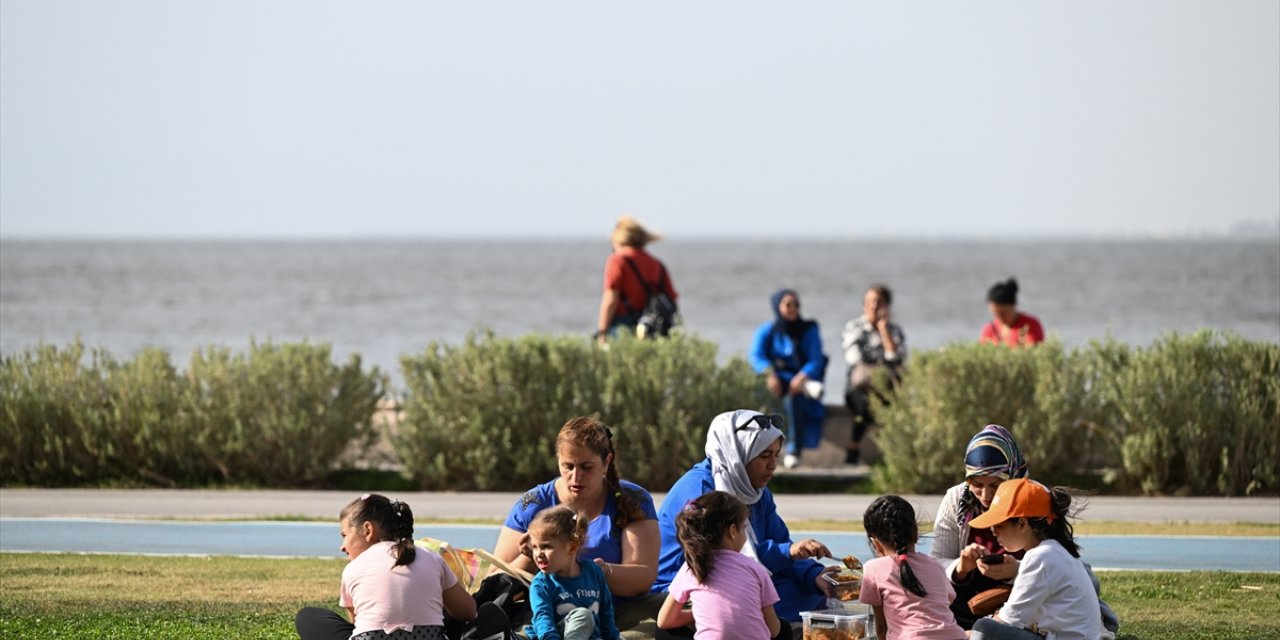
x=1018, y=498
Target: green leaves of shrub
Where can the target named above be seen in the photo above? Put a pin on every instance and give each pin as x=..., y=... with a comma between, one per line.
x=485, y=414
x=276, y=415
x=1193, y=414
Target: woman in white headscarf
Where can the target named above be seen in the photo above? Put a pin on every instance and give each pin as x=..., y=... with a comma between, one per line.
x=742, y=453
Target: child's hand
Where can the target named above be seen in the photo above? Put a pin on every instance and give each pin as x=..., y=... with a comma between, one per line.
x=969, y=559
x=809, y=548
x=1001, y=570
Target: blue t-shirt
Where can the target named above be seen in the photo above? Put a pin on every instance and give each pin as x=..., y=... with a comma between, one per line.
x=604, y=541
x=552, y=597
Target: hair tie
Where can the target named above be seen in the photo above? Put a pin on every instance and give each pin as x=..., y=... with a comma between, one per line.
x=608, y=433
x=692, y=507
x=365, y=496
x=902, y=557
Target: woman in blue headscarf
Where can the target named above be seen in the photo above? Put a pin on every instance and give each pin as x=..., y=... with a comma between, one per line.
x=788, y=351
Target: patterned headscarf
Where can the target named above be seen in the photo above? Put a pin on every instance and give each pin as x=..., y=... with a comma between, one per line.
x=992, y=452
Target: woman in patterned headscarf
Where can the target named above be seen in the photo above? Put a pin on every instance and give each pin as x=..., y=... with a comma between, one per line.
x=991, y=458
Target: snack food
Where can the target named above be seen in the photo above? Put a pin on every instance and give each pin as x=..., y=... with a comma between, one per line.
x=855, y=631
x=852, y=563
x=845, y=586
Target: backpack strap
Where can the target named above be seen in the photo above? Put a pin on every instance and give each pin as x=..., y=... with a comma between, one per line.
x=648, y=291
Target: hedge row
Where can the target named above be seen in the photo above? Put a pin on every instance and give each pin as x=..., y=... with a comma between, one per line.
x=1189, y=415
x=1196, y=414
x=484, y=414
x=277, y=415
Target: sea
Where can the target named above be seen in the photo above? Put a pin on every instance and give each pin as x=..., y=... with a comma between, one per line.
x=385, y=298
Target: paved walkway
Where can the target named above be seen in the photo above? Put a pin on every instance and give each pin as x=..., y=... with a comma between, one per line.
x=198, y=504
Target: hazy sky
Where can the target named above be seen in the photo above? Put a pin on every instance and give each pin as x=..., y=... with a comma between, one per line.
x=839, y=119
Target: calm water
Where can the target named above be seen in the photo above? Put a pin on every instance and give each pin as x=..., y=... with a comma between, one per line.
x=321, y=540
x=386, y=298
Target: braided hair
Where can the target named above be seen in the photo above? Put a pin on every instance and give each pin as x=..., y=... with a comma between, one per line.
x=391, y=519
x=591, y=433
x=701, y=526
x=892, y=521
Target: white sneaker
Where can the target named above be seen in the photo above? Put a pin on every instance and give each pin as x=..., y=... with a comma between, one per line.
x=791, y=461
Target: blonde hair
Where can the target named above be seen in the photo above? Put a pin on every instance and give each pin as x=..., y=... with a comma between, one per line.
x=630, y=233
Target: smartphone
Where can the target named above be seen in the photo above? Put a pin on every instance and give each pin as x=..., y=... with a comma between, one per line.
x=994, y=558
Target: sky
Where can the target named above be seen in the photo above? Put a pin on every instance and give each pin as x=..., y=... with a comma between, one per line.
x=249, y=119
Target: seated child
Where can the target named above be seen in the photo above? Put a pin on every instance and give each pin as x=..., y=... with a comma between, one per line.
x=569, y=598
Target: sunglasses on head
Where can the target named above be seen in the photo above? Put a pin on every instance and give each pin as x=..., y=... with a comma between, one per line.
x=761, y=421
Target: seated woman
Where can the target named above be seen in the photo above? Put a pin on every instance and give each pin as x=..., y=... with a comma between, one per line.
x=788, y=350
x=991, y=458
x=622, y=536
x=742, y=454
x=1009, y=326
x=630, y=275
x=870, y=342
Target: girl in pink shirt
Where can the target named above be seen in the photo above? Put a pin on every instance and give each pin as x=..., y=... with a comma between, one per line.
x=732, y=594
x=391, y=589
x=909, y=591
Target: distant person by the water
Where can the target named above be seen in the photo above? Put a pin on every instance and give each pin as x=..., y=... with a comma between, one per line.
x=788, y=351
x=632, y=278
x=870, y=342
x=1009, y=326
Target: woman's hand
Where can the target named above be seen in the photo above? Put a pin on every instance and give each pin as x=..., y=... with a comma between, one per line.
x=809, y=548
x=969, y=559
x=1001, y=570
x=774, y=384
x=821, y=582
x=797, y=384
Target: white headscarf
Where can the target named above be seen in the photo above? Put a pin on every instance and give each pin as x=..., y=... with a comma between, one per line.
x=734, y=439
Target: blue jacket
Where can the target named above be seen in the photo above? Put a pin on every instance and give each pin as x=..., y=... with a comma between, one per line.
x=794, y=579
x=770, y=348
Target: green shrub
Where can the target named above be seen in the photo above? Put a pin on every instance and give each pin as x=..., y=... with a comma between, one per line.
x=278, y=415
x=1200, y=414
x=1189, y=414
x=485, y=414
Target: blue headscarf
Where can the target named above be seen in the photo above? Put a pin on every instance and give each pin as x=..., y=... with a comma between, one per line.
x=795, y=329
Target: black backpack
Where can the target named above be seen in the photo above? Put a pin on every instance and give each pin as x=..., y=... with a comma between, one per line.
x=659, y=313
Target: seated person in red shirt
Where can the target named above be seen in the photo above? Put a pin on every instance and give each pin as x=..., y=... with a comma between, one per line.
x=1009, y=326
x=625, y=293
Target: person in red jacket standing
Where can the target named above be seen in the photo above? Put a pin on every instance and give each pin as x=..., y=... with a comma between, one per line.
x=1009, y=326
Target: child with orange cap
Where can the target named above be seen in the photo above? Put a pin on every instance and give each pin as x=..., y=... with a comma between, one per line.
x=1053, y=597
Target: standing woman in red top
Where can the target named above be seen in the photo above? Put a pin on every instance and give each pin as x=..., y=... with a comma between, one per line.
x=630, y=274
x=1009, y=326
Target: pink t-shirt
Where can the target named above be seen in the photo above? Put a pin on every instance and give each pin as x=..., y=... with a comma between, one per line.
x=907, y=615
x=386, y=598
x=730, y=603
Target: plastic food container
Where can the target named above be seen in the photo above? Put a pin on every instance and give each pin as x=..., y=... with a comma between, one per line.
x=846, y=586
x=837, y=624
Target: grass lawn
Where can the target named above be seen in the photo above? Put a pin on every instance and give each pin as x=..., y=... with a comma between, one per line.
x=105, y=596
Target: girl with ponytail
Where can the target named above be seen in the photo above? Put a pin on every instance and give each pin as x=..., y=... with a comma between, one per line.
x=732, y=596
x=1054, y=595
x=909, y=591
x=390, y=588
